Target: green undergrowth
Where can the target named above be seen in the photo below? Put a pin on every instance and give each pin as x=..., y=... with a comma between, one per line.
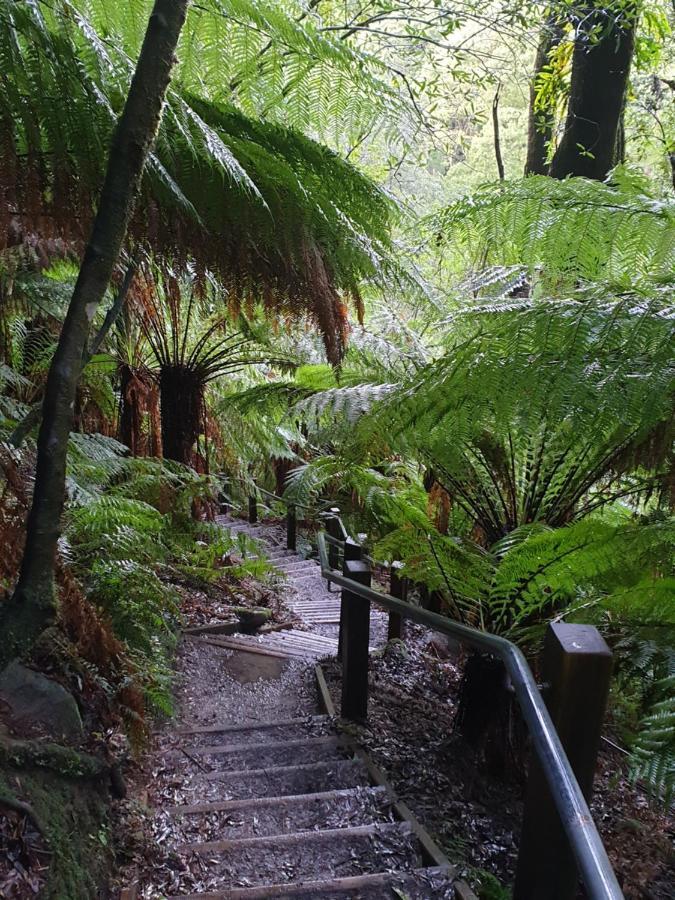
x=135, y=531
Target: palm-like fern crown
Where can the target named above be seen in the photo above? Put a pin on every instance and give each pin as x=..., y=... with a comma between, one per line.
x=278, y=217
x=185, y=329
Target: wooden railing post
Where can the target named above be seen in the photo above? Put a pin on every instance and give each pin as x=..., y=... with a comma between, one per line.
x=333, y=529
x=252, y=509
x=576, y=668
x=398, y=587
x=355, y=632
x=291, y=527
x=352, y=553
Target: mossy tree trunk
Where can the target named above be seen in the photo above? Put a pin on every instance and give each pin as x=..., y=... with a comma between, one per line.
x=32, y=605
x=600, y=69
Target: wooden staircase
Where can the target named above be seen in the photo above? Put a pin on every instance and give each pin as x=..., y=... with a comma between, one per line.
x=289, y=807
x=292, y=809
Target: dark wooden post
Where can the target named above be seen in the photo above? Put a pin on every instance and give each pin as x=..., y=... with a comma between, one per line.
x=333, y=529
x=352, y=553
x=291, y=527
x=252, y=509
x=355, y=630
x=398, y=587
x=576, y=668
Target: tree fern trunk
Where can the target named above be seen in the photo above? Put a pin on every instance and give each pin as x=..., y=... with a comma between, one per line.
x=600, y=70
x=182, y=402
x=130, y=417
x=32, y=605
x=540, y=124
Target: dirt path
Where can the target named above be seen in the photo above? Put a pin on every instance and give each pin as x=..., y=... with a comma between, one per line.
x=253, y=792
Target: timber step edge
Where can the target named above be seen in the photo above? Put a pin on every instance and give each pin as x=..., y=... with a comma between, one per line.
x=319, y=888
x=322, y=836
x=270, y=802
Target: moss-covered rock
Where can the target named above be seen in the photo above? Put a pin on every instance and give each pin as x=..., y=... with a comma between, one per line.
x=68, y=792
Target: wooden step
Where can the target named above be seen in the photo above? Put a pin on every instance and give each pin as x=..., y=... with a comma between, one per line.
x=309, y=855
x=275, y=746
x=253, y=726
x=324, y=836
x=264, y=802
x=306, y=778
x=242, y=757
x=421, y=884
x=266, y=817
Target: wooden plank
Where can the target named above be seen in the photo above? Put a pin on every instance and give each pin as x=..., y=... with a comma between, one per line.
x=262, y=802
x=256, y=726
x=327, y=835
x=432, y=853
x=324, y=693
x=245, y=648
x=330, y=764
x=349, y=883
x=224, y=749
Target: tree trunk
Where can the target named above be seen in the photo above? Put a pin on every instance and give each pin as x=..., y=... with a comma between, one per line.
x=32, y=605
x=541, y=123
x=600, y=70
x=182, y=402
x=131, y=420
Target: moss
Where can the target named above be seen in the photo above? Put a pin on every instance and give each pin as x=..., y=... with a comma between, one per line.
x=71, y=805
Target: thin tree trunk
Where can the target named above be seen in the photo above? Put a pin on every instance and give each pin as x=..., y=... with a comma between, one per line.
x=600, y=71
x=32, y=606
x=497, y=139
x=541, y=122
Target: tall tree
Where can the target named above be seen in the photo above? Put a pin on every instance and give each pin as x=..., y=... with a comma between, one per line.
x=32, y=606
x=600, y=68
x=541, y=122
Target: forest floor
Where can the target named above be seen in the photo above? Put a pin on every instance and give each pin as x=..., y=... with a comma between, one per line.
x=475, y=818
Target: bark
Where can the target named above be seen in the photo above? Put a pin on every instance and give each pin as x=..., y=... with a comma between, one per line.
x=182, y=403
x=497, y=139
x=131, y=419
x=541, y=123
x=32, y=606
x=600, y=71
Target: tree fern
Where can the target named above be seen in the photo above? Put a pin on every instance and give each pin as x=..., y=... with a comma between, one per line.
x=281, y=219
x=566, y=230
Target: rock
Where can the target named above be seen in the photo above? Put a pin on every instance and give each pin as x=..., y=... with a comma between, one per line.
x=252, y=618
x=34, y=698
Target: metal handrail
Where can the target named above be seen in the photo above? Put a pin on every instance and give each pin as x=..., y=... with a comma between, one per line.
x=585, y=841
